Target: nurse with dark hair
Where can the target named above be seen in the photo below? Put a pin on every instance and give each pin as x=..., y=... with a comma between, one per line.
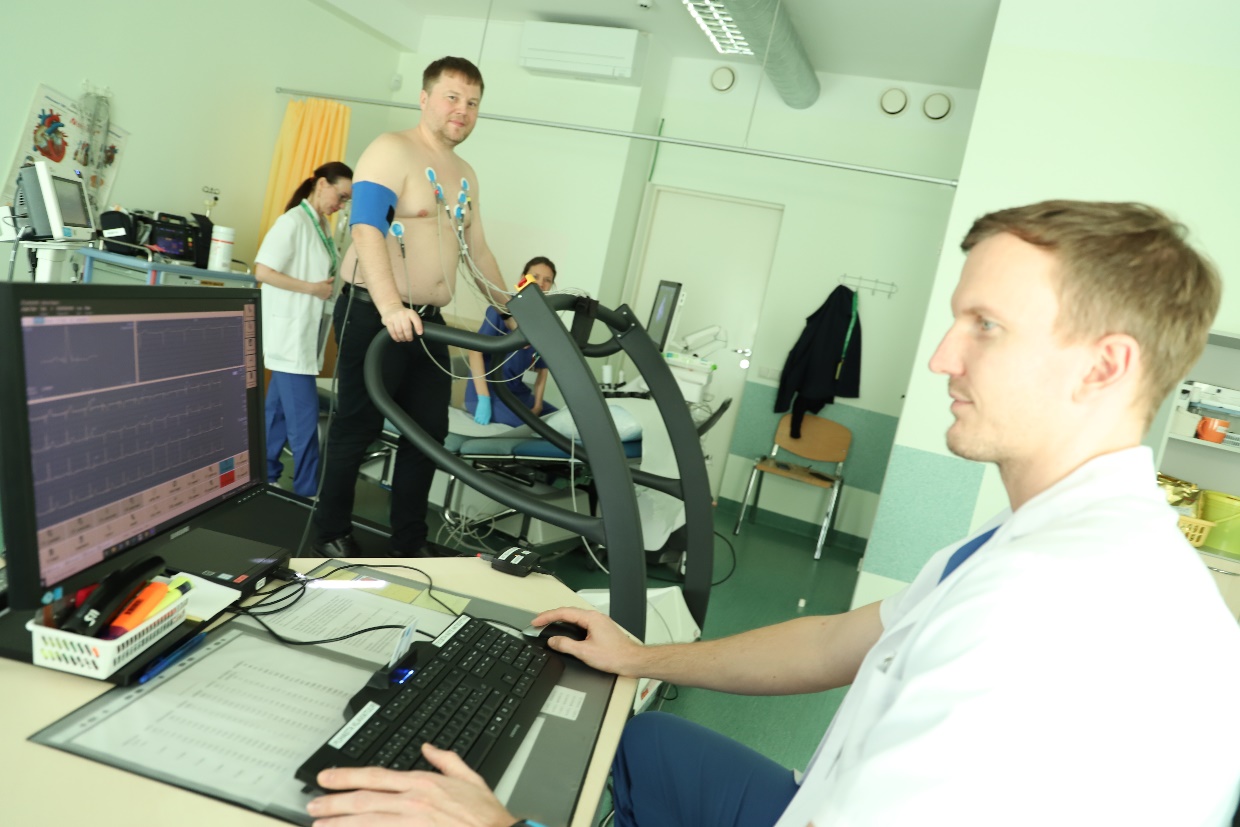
x=512, y=366
x=297, y=264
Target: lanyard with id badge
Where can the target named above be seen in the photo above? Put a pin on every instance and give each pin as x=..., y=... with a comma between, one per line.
x=330, y=246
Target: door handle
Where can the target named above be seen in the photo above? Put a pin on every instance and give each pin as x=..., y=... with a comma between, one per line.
x=743, y=351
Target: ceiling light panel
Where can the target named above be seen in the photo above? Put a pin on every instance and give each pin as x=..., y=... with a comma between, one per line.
x=713, y=17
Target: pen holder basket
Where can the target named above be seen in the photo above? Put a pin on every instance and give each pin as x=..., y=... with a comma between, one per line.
x=97, y=658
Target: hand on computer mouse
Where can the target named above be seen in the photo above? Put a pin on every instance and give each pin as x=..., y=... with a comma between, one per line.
x=559, y=627
x=604, y=645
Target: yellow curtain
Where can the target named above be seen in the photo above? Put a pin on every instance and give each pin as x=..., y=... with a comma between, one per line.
x=314, y=132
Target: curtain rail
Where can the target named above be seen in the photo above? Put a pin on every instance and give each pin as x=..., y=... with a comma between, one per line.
x=663, y=139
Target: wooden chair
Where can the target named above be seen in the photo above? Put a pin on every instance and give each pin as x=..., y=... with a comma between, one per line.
x=821, y=441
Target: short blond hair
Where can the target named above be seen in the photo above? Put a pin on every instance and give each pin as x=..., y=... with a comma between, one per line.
x=1123, y=268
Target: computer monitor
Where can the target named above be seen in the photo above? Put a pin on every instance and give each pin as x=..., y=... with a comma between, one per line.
x=663, y=313
x=53, y=206
x=127, y=410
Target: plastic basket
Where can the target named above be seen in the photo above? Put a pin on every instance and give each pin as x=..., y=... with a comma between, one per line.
x=96, y=658
x=1195, y=530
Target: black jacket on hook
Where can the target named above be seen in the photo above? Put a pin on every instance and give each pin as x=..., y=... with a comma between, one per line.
x=810, y=372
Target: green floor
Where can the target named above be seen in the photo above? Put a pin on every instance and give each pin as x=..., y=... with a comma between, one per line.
x=774, y=571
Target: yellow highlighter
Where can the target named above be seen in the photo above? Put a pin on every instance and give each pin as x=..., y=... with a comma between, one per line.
x=138, y=610
x=178, y=586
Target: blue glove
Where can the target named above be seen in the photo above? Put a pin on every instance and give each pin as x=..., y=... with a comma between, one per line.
x=482, y=413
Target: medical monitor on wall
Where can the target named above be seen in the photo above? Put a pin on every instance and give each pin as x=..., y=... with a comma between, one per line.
x=126, y=410
x=663, y=313
x=52, y=205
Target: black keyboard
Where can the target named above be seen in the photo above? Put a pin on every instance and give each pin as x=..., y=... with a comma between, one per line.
x=475, y=690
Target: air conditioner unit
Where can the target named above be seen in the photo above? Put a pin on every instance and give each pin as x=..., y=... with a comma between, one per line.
x=593, y=52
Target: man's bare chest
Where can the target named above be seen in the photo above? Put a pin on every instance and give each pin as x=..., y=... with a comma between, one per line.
x=433, y=192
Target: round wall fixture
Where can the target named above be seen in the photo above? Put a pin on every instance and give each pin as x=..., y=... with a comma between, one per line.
x=937, y=106
x=893, y=101
x=722, y=79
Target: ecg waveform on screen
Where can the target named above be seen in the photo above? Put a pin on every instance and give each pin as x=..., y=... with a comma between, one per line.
x=174, y=347
x=68, y=357
x=71, y=358
x=98, y=448
x=166, y=399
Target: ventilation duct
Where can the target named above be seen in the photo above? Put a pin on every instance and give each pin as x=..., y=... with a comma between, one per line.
x=778, y=48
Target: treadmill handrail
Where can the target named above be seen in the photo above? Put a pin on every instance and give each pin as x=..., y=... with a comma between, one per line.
x=619, y=528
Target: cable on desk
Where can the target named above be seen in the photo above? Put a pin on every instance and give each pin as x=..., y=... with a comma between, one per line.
x=301, y=583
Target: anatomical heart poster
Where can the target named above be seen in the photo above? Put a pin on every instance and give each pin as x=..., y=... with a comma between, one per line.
x=58, y=131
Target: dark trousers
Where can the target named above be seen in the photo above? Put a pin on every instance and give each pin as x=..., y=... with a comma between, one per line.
x=418, y=386
x=669, y=772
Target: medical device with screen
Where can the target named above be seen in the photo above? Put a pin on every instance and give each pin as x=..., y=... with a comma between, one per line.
x=126, y=410
x=52, y=206
x=663, y=313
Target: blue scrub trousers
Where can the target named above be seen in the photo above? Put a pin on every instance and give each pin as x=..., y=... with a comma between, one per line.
x=293, y=418
x=669, y=772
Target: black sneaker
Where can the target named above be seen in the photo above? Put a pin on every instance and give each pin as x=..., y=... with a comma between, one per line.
x=344, y=546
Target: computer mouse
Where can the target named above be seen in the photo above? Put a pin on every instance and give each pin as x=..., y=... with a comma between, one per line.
x=561, y=627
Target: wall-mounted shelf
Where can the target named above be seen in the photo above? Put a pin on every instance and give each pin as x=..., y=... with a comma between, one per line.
x=1212, y=445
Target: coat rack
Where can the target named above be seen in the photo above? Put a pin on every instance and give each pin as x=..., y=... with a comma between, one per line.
x=873, y=285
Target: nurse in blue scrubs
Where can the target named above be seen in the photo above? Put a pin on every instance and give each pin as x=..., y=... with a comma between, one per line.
x=478, y=398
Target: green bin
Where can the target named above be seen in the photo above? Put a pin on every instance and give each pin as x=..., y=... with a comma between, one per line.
x=1224, y=510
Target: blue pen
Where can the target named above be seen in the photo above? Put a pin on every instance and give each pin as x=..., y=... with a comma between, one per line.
x=172, y=657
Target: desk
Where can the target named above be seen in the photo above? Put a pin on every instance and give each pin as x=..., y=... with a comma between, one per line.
x=38, y=782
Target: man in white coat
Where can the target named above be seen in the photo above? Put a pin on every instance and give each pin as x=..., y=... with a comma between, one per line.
x=1055, y=668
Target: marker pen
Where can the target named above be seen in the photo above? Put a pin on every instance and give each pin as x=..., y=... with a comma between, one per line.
x=180, y=585
x=137, y=611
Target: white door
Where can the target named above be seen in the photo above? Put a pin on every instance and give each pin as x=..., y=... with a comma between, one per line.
x=720, y=250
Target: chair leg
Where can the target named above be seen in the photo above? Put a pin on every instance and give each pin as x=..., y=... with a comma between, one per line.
x=757, y=498
x=753, y=475
x=827, y=519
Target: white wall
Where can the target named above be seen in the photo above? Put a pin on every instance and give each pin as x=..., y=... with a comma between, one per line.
x=194, y=84
x=835, y=222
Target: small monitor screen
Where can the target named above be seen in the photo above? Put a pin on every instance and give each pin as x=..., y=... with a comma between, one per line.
x=171, y=241
x=662, y=312
x=71, y=197
x=129, y=410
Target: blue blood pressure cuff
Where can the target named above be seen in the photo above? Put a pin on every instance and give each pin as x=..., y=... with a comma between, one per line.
x=373, y=204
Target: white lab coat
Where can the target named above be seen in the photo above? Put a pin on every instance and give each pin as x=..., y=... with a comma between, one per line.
x=291, y=320
x=1065, y=674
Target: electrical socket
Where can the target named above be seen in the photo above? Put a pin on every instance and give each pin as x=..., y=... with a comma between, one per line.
x=769, y=373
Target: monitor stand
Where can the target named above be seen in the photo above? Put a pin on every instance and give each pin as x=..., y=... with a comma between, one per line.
x=15, y=640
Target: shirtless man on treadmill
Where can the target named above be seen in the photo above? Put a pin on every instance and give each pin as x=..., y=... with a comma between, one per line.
x=398, y=278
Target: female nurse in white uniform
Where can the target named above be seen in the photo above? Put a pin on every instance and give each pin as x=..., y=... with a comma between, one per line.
x=297, y=264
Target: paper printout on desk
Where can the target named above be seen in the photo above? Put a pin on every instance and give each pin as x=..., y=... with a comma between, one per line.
x=234, y=721
x=347, y=602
